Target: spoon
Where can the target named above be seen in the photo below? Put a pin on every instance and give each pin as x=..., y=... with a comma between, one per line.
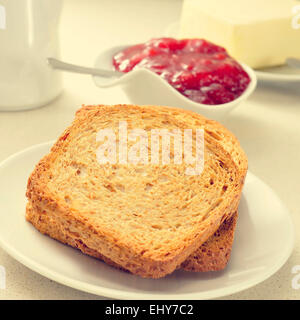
x=293, y=62
x=58, y=64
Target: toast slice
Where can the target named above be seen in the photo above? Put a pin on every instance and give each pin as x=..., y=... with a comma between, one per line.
x=147, y=219
x=213, y=255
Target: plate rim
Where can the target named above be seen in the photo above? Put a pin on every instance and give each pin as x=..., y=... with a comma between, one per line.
x=125, y=295
x=276, y=77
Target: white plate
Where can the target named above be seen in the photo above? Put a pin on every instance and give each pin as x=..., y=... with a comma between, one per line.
x=264, y=241
x=275, y=74
x=279, y=74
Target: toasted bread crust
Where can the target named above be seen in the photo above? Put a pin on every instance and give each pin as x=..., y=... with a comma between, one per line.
x=48, y=226
x=77, y=231
x=214, y=254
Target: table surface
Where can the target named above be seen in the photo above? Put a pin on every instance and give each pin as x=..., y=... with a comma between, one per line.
x=267, y=125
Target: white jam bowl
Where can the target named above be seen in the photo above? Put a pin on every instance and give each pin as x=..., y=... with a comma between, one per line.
x=144, y=87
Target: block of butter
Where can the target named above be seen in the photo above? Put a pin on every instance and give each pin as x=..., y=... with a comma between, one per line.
x=260, y=33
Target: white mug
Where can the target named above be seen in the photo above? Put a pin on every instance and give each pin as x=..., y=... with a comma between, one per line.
x=28, y=35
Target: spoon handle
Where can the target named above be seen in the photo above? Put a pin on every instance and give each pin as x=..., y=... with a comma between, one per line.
x=293, y=62
x=57, y=64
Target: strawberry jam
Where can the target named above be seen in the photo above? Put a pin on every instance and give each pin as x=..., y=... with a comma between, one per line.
x=198, y=69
